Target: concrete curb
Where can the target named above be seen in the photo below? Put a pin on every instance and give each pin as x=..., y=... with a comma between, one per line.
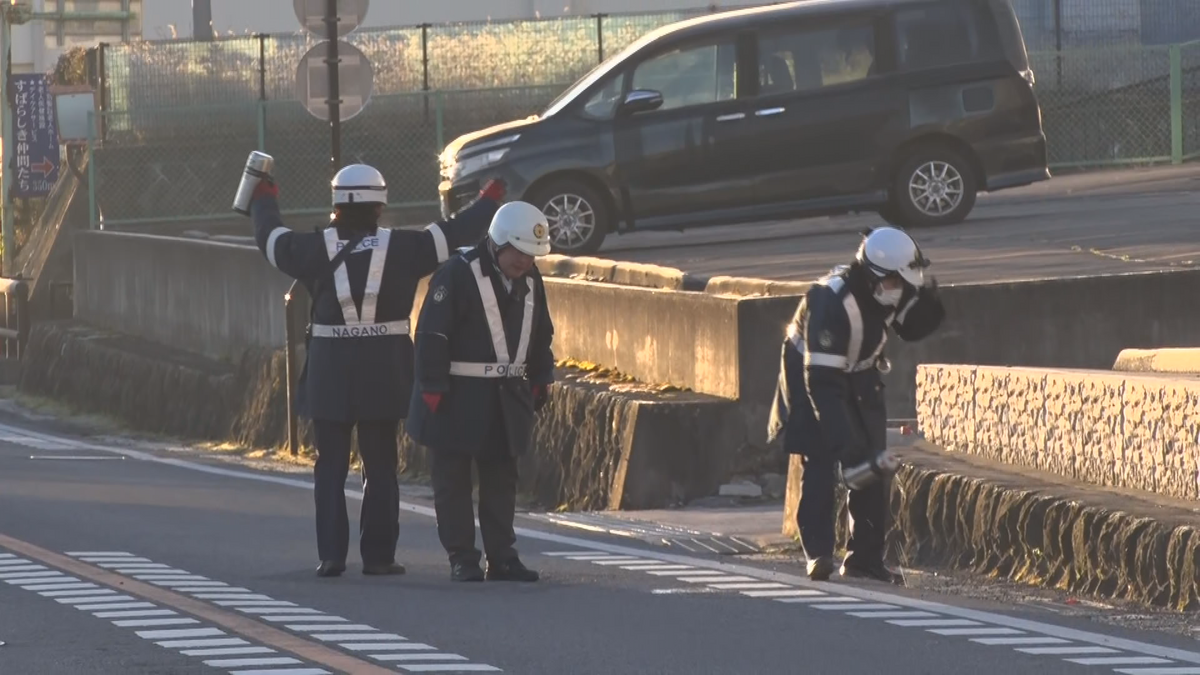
x=603, y=270
x=1178, y=360
x=965, y=513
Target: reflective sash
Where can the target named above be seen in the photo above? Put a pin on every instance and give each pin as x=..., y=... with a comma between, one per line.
x=849, y=361
x=361, y=330
x=503, y=367
x=378, y=245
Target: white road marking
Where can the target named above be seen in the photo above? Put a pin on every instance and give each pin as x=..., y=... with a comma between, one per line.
x=1020, y=641
x=210, y=642
x=715, y=579
x=639, y=567
x=975, y=631
x=591, y=546
x=282, y=671
x=1159, y=671
x=333, y=637
x=420, y=657
x=115, y=605
x=181, y=621
x=812, y=599
x=179, y=633
x=331, y=626
x=58, y=587
x=440, y=667
x=282, y=604
x=843, y=606
x=1067, y=650
x=689, y=573
x=617, y=561
x=304, y=617
x=922, y=623
x=257, y=661
x=277, y=610
x=92, y=595
x=230, y=597
x=31, y=575
x=210, y=589
x=1118, y=660
x=794, y=593
x=94, y=554
x=748, y=586
x=130, y=613
x=387, y=646
x=25, y=568
x=227, y=651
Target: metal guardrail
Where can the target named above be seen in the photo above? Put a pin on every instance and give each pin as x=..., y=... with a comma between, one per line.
x=15, y=330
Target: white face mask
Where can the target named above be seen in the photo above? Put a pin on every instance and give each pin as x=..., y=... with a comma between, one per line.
x=888, y=298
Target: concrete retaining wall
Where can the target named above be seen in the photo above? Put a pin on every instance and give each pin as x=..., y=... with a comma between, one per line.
x=1130, y=430
x=216, y=298
x=950, y=510
x=596, y=446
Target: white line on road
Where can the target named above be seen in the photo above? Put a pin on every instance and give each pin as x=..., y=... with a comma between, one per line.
x=974, y=631
x=228, y=651
x=592, y=547
x=1087, y=649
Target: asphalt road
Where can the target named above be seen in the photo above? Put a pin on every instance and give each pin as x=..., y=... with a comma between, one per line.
x=1106, y=222
x=125, y=561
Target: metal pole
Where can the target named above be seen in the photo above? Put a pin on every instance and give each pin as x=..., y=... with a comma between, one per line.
x=6, y=216
x=335, y=102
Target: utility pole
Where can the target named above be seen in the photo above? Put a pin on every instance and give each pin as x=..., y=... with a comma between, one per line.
x=335, y=98
x=6, y=144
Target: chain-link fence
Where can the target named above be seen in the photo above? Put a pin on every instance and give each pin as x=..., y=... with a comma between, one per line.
x=181, y=116
x=172, y=164
x=1119, y=105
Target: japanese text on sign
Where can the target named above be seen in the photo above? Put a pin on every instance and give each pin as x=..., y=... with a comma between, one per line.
x=35, y=157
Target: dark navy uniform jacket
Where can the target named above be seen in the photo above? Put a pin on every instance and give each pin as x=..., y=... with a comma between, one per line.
x=829, y=399
x=483, y=347
x=360, y=354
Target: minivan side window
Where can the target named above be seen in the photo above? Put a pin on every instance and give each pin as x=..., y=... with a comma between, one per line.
x=806, y=59
x=690, y=76
x=944, y=33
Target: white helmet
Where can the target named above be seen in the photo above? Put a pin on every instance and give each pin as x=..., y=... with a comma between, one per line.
x=887, y=250
x=359, y=184
x=522, y=226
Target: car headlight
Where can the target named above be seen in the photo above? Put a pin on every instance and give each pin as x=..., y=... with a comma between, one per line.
x=474, y=164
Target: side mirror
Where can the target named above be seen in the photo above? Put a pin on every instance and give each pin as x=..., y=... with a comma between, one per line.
x=641, y=100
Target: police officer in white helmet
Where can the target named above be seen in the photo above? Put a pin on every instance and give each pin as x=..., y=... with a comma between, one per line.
x=362, y=279
x=483, y=367
x=829, y=402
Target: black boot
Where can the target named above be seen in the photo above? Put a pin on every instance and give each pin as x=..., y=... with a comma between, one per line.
x=329, y=568
x=874, y=570
x=510, y=570
x=820, y=568
x=383, y=568
x=463, y=571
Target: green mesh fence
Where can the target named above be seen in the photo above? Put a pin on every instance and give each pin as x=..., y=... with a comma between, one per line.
x=1116, y=86
x=173, y=163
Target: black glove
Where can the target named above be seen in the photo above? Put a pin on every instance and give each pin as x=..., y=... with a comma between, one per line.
x=540, y=396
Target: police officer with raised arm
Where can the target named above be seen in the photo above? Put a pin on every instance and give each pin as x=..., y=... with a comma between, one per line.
x=362, y=279
x=483, y=365
x=829, y=401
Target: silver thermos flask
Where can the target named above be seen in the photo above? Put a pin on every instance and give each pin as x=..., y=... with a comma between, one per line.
x=858, y=477
x=258, y=167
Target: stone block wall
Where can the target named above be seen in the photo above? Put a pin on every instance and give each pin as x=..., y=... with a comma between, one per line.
x=1114, y=429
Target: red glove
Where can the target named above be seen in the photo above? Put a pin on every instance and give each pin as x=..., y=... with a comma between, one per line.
x=432, y=400
x=493, y=190
x=265, y=188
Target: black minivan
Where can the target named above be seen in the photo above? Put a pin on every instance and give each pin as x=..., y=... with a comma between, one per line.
x=906, y=108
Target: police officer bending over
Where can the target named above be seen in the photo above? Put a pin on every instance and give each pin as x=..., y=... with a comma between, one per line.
x=362, y=279
x=483, y=365
x=830, y=401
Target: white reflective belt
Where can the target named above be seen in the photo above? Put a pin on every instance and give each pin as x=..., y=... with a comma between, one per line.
x=378, y=246
x=361, y=329
x=487, y=369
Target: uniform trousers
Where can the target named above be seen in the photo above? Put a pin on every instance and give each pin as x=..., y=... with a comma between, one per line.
x=816, y=517
x=497, y=470
x=379, y=517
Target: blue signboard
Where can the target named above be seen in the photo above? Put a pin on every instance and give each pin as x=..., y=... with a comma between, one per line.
x=35, y=158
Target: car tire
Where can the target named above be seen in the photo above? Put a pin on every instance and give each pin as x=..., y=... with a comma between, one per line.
x=933, y=186
x=578, y=207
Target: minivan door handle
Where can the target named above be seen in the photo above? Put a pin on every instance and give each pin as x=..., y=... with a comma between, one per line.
x=731, y=117
x=768, y=111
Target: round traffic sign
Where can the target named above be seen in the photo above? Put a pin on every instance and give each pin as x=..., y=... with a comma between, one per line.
x=311, y=14
x=356, y=80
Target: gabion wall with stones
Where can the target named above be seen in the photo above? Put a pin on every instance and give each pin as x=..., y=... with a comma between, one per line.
x=1110, y=429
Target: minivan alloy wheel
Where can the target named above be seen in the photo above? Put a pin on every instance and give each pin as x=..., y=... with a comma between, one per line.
x=936, y=188
x=572, y=220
